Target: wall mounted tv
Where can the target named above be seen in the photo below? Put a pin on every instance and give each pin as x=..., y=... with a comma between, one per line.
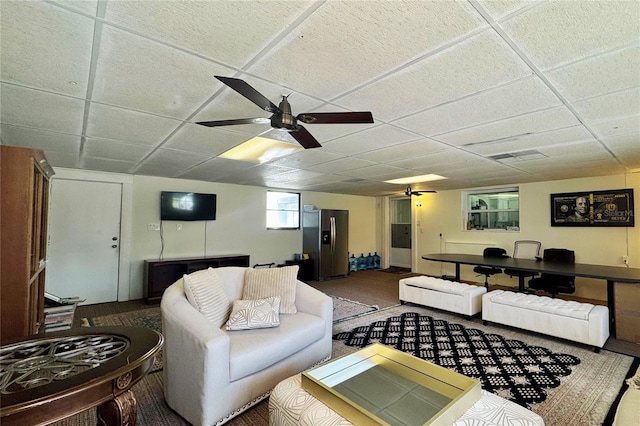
x=187, y=206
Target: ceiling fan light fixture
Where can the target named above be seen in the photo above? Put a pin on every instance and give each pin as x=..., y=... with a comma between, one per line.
x=261, y=150
x=416, y=179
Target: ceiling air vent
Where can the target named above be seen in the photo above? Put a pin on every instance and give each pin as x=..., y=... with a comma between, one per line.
x=510, y=157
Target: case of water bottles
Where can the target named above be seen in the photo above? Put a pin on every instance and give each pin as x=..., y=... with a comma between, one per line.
x=361, y=263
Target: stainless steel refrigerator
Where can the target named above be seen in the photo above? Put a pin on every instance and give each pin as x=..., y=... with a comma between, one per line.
x=325, y=237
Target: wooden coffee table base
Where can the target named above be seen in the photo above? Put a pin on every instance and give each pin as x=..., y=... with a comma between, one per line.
x=122, y=410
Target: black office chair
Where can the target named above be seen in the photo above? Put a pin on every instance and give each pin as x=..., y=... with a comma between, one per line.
x=524, y=249
x=552, y=283
x=489, y=271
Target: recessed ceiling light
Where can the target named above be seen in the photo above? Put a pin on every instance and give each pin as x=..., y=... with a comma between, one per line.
x=416, y=179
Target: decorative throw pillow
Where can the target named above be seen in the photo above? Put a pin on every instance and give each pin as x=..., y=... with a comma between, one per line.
x=248, y=314
x=205, y=292
x=268, y=282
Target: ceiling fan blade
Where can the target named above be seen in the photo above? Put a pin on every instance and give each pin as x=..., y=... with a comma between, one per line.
x=335, y=117
x=259, y=120
x=249, y=92
x=304, y=138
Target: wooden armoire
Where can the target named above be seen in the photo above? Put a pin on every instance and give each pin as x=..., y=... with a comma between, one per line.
x=24, y=198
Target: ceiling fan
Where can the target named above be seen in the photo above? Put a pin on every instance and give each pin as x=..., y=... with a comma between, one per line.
x=409, y=192
x=282, y=117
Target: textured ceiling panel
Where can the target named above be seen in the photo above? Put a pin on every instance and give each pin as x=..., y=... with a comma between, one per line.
x=34, y=108
x=49, y=142
x=558, y=32
x=474, y=65
x=320, y=54
x=211, y=26
x=36, y=33
x=615, y=71
x=519, y=97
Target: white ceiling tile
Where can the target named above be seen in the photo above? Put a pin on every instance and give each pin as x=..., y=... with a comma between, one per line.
x=62, y=159
x=130, y=126
x=540, y=121
x=293, y=176
x=204, y=140
x=114, y=150
x=519, y=97
x=613, y=105
x=403, y=150
x=247, y=26
x=108, y=165
x=174, y=162
x=215, y=168
x=320, y=54
x=341, y=165
x=617, y=126
x=40, y=139
x=162, y=80
x=369, y=139
x=598, y=75
x=376, y=170
x=35, y=35
x=560, y=32
x=534, y=141
x=501, y=8
x=34, y=108
x=630, y=140
x=440, y=159
x=477, y=64
x=306, y=158
x=85, y=6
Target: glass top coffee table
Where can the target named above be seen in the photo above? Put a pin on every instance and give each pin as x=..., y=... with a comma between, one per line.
x=381, y=385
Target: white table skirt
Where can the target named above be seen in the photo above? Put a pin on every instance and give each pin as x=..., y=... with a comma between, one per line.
x=289, y=404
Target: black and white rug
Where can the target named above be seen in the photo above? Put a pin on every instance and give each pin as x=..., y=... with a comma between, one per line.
x=506, y=367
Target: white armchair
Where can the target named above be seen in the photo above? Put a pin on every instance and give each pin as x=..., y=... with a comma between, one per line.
x=211, y=375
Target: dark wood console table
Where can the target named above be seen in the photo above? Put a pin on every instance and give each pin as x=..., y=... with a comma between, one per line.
x=160, y=274
x=48, y=377
x=612, y=274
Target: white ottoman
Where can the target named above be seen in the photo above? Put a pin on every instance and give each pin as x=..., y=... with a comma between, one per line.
x=289, y=404
x=579, y=322
x=452, y=296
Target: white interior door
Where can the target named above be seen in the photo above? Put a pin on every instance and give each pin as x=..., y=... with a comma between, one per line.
x=400, y=251
x=84, y=240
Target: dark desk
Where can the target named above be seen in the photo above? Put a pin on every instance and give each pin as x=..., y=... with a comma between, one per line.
x=48, y=377
x=610, y=273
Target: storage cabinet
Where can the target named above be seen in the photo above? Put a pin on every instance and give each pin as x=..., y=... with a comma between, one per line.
x=24, y=199
x=160, y=274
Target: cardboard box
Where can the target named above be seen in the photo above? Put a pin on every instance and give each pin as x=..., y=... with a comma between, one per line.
x=627, y=311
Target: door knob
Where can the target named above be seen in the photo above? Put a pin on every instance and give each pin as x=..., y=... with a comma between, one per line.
x=114, y=246
x=115, y=238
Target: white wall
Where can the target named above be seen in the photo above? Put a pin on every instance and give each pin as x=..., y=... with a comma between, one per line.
x=240, y=226
x=441, y=213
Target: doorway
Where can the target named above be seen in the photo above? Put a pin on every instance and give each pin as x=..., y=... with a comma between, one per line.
x=84, y=240
x=400, y=221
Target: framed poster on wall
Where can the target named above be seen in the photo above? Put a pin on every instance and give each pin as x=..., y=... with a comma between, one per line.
x=593, y=208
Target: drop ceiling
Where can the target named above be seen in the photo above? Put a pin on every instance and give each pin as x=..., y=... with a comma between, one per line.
x=485, y=93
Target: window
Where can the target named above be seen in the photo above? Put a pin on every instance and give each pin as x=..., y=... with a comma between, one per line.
x=283, y=210
x=492, y=209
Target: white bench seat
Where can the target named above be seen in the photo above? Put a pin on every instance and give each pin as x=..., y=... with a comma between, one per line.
x=452, y=296
x=579, y=322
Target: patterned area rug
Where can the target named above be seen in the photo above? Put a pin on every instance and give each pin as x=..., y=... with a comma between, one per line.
x=508, y=368
x=583, y=397
x=149, y=318
x=396, y=270
x=344, y=309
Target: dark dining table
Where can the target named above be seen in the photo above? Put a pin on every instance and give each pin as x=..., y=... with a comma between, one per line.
x=611, y=274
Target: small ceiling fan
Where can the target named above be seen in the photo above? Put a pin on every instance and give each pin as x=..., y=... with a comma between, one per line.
x=282, y=117
x=409, y=192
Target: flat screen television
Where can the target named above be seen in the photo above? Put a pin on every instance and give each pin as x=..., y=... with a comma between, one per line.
x=187, y=206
